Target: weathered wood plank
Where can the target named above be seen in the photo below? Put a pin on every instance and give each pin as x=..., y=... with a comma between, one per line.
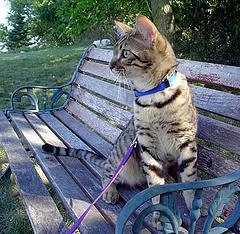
x=97, y=143
x=219, y=133
x=210, y=73
x=218, y=102
x=102, y=106
x=50, y=120
x=110, y=91
x=218, y=74
x=215, y=101
x=98, y=69
x=41, y=209
x=104, y=128
x=72, y=196
x=214, y=164
x=101, y=54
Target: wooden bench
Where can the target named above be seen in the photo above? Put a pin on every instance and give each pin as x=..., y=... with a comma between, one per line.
x=90, y=112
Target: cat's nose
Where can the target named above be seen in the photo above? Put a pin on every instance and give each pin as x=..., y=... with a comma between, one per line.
x=112, y=65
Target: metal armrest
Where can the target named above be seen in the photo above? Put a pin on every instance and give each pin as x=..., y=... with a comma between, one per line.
x=31, y=99
x=39, y=98
x=169, y=211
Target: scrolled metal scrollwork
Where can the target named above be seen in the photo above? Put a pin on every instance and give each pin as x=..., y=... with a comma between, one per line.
x=195, y=212
x=40, y=98
x=165, y=211
x=223, y=197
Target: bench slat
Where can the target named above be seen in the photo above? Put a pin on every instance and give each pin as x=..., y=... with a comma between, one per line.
x=223, y=75
x=101, y=54
x=218, y=102
x=210, y=73
x=102, y=106
x=41, y=209
x=219, y=133
x=88, y=136
x=50, y=120
x=104, y=128
x=110, y=91
x=214, y=164
x=72, y=196
x=98, y=69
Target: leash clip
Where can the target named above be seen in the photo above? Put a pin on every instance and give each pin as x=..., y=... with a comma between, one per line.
x=134, y=143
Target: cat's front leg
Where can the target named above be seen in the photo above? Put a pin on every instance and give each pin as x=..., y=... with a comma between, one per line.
x=187, y=164
x=111, y=195
x=155, y=176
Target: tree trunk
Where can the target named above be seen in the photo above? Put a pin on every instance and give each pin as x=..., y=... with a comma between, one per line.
x=162, y=16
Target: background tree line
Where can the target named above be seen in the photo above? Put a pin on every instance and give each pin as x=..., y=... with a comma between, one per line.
x=206, y=30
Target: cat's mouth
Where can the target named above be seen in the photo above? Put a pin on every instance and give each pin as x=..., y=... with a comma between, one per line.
x=119, y=71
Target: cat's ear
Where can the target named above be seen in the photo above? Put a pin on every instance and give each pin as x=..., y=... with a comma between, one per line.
x=147, y=29
x=121, y=29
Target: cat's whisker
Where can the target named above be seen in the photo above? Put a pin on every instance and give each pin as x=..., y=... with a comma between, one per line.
x=117, y=79
x=128, y=84
x=118, y=92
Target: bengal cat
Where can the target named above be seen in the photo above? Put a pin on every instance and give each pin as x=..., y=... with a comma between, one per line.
x=165, y=121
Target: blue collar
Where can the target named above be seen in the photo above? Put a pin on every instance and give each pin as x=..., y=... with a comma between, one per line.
x=165, y=84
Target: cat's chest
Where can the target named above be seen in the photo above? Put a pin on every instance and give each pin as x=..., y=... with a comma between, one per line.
x=150, y=116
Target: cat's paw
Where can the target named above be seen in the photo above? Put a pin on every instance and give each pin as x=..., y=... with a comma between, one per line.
x=111, y=195
x=155, y=221
x=204, y=211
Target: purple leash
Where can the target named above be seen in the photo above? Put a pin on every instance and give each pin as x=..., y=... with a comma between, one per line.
x=118, y=170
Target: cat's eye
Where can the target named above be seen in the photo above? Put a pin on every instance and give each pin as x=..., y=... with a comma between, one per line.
x=125, y=53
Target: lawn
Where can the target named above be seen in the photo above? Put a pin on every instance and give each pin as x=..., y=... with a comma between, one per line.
x=40, y=67
x=46, y=66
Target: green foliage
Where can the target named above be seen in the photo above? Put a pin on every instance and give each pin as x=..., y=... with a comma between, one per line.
x=17, y=36
x=3, y=32
x=208, y=30
x=65, y=21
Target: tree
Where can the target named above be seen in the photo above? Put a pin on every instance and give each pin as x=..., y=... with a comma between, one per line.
x=17, y=37
x=3, y=33
x=163, y=16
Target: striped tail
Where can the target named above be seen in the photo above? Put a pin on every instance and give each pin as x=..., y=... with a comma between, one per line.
x=75, y=153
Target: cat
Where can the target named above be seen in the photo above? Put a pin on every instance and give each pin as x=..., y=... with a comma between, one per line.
x=165, y=122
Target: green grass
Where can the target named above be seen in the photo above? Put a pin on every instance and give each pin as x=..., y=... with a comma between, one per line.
x=13, y=217
x=46, y=66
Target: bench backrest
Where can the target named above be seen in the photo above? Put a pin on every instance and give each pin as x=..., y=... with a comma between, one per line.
x=105, y=106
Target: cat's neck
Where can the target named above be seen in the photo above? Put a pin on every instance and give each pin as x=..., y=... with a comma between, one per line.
x=143, y=83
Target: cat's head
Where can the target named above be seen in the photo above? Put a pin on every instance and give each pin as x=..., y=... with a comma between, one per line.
x=142, y=53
